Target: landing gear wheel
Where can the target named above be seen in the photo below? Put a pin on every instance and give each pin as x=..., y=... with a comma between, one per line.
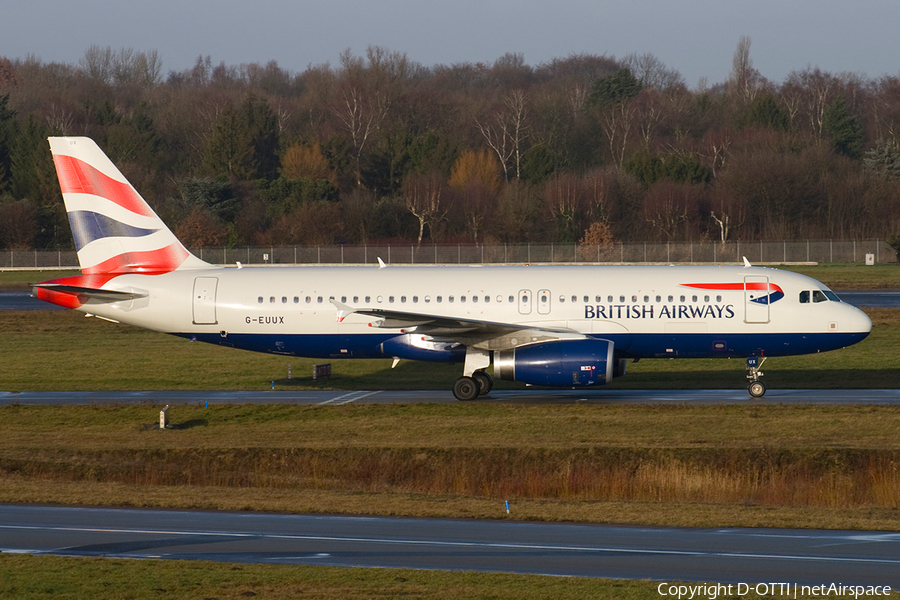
x=465, y=389
x=757, y=389
x=485, y=382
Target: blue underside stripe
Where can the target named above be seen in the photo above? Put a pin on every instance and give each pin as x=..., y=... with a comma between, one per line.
x=627, y=346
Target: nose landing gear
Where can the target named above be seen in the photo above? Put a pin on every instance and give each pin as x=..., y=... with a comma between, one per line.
x=756, y=388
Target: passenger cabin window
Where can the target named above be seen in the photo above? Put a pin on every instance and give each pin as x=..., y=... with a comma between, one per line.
x=260, y=300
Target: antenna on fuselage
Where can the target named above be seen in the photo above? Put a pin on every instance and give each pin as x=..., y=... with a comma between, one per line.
x=747, y=262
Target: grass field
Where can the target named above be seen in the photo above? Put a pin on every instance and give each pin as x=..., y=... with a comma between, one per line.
x=66, y=351
x=791, y=466
x=64, y=578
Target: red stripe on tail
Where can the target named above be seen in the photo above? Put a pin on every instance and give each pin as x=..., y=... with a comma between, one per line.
x=78, y=177
x=152, y=262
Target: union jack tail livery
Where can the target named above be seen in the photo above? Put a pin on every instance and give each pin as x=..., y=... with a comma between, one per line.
x=115, y=230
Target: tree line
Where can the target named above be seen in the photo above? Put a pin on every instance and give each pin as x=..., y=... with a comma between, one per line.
x=380, y=148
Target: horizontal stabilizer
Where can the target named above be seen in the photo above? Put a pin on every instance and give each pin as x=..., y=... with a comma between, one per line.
x=53, y=292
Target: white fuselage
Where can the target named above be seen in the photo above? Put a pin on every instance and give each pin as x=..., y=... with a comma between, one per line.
x=647, y=311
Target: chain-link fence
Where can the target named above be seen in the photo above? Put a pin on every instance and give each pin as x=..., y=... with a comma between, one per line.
x=805, y=251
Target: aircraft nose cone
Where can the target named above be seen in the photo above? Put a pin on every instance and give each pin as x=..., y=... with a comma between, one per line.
x=859, y=321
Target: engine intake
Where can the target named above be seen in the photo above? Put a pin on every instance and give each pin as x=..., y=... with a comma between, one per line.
x=562, y=363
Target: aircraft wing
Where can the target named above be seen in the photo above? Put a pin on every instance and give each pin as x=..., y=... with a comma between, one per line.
x=487, y=335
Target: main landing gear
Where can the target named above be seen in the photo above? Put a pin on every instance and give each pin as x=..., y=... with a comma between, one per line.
x=469, y=388
x=756, y=388
x=474, y=382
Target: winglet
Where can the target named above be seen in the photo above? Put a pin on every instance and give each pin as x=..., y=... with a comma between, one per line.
x=747, y=262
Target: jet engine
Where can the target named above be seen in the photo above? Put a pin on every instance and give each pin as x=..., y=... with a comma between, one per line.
x=561, y=363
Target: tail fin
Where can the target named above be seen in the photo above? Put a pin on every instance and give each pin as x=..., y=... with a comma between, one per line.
x=116, y=232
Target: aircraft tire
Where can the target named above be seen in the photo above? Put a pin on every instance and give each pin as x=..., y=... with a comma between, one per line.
x=465, y=389
x=485, y=382
x=757, y=389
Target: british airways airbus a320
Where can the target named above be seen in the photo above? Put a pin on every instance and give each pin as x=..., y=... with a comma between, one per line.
x=558, y=326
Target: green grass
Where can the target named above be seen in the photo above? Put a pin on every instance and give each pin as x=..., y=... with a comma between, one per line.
x=853, y=276
x=66, y=351
x=20, y=280
x=40, y=577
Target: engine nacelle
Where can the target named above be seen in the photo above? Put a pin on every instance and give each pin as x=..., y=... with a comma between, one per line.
x=562, y=363
x=417, y=347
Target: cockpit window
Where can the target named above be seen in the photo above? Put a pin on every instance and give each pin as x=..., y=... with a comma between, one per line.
x=818, y=296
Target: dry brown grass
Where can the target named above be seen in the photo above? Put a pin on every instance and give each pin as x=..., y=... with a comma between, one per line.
x=814, y=466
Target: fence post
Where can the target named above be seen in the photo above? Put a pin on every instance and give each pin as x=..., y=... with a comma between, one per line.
x=807, y=250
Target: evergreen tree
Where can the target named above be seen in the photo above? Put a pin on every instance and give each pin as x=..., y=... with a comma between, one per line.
x=7, y=138
x=244, y=142
x=883, y=160
x=843, y=128
x=765, y=112
x=614, y=88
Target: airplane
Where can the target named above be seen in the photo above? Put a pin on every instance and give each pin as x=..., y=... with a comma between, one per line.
x=557, y=326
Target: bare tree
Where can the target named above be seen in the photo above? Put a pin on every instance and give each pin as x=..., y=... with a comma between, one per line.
x=424, y=196
x=361, y=114
x=745, y=81
x=506, y=131
x=652, y=72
